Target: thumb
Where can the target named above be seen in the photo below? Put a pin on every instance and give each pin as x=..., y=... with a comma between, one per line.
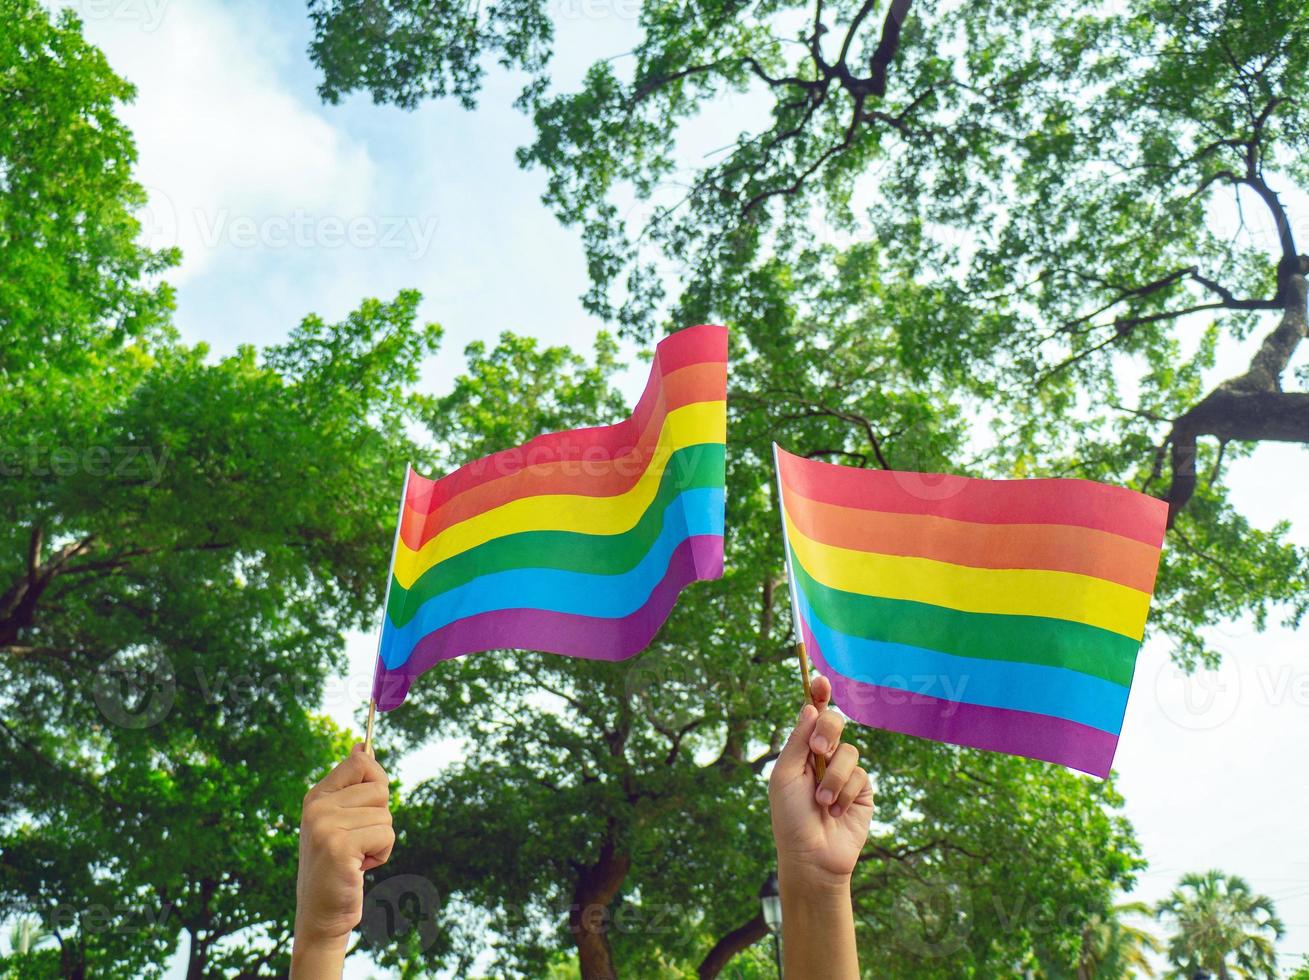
x=795, y=753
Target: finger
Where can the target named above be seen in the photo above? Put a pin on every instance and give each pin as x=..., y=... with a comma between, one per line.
x=358, y=767
x=827, y=734
x=840, y=767
x=374, y=844
x=795, y=753
x=820, y=689
x=362, y=794
x=852, y=790
x=357, y=817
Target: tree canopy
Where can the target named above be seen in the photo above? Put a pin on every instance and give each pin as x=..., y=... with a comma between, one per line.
x=1070, y=209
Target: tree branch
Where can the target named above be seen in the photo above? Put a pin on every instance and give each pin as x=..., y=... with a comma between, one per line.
x=746, y=934
x=887, y=46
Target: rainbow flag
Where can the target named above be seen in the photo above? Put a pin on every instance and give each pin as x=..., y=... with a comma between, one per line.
x=575, y=543
x=1000, y=614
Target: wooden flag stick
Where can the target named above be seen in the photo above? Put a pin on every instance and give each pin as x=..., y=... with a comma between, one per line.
x=368, y=731
x=820, y=764
x=381, y=630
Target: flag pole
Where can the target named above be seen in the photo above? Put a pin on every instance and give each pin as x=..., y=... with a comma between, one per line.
x=390, y=570
x=820, y=763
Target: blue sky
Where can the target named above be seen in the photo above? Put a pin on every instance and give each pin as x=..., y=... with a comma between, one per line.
x=285, y=207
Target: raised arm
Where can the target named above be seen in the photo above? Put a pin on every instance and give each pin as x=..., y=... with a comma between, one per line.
x=819, y=832
x=345, y=830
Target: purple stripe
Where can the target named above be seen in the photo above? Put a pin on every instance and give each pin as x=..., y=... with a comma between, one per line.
x=1024, y=733
x=589, y=637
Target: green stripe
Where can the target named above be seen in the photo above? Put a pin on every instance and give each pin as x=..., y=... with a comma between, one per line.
x=689, y=468
x=984, y=636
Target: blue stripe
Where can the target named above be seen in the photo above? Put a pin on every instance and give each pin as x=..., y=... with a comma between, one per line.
x=1053, y=691
x=691, y=513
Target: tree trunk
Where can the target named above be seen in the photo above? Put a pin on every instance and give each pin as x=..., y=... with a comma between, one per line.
x=588, y=919
x=72, y=961
x=744, y=935
x=195, y=961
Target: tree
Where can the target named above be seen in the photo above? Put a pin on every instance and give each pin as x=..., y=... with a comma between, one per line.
x=71, y=271
x=1114, y=949
x=1221, y=926
x=183, y=540
x=1061, y=203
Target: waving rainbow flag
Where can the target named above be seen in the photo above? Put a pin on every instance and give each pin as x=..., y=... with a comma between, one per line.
x=1000, y=614
x=575, y=543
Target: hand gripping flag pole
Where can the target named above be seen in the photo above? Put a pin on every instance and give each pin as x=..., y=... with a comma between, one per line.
x=820, y=764
x=390, y=570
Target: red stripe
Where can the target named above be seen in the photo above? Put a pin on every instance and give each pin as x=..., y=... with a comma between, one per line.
x=690, y=346
x=602, y=471
x=1082, y=503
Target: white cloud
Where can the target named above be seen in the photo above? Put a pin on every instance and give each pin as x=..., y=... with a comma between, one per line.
x=228, y=154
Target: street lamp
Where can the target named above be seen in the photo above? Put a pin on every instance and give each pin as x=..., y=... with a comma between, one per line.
x=770, y=901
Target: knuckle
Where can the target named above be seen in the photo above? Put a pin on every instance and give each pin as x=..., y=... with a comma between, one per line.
x=338, y=848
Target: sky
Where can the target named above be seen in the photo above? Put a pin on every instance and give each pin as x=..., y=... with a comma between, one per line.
x=284, y=207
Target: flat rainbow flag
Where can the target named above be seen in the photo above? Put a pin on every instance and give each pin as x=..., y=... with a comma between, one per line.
x=999, y=614
x=575, y=543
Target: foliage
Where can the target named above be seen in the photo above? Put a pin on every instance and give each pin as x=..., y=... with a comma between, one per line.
x=183, y=540
x=71, y=271
x=1114, y=949
x=1220, y=925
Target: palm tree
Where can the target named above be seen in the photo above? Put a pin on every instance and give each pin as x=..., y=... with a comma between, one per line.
x=26, y=935
x=1113, y=948
x=1221, y=927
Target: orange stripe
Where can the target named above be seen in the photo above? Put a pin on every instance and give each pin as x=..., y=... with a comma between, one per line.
x=601, y=471
x=1052, y=547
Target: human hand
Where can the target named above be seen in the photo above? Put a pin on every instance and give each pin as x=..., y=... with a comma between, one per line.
x=819, y=831
x=345, y=830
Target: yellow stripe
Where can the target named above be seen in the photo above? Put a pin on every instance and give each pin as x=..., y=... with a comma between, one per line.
x=690, y=425
x=1011, y=591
